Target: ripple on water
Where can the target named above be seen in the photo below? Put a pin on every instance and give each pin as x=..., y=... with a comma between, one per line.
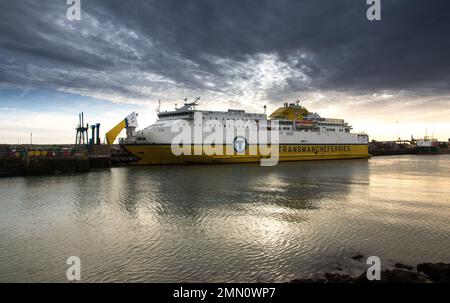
x=224, y=223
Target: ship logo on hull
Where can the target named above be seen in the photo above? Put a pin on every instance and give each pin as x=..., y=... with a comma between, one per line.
x=240, y=144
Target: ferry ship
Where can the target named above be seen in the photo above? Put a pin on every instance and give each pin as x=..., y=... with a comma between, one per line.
x=302, y=135
x=428, y=145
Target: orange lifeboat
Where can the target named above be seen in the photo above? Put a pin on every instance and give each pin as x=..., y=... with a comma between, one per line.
x=304, y=123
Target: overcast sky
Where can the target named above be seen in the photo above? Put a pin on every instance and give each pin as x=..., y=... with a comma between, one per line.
x=385, y=77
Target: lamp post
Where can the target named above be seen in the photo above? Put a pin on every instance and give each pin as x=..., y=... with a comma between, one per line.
x=398, y=135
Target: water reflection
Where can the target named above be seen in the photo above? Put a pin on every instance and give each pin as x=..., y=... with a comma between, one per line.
x=225, y=222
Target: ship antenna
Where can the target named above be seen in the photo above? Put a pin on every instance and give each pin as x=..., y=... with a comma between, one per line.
x=158, y=109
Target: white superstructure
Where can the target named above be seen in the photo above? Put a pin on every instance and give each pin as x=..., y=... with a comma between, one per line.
x=295, y=125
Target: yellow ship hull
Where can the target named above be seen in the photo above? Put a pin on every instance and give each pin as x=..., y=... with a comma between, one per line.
x=157, y=154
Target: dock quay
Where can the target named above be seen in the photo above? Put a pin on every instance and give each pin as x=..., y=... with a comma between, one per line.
x=120, y=157
x=28, y=160
x=385, y=148
x=401, y=147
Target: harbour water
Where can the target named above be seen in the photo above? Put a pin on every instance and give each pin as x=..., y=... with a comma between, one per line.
x=225, y=223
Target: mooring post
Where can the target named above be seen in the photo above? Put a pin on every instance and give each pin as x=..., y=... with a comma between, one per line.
x=27, y=161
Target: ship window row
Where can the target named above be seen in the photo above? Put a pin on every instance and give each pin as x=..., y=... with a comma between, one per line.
x=220, y=125
x=331, y=124
x=285, y=122
x=229, y=119
x=173, y=115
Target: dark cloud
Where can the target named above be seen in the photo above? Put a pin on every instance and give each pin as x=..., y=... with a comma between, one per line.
x=202, y=45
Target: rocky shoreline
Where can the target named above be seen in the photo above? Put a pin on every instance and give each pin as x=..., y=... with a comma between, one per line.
x=399, y=273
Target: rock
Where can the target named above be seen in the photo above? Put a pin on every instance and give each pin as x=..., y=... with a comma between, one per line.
x=329, y=278
x=319, y=280
x=357, y=257
x=403, y=266
x=394, y=276
x=437, y=272
x=401, y=276
x=338, y=278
